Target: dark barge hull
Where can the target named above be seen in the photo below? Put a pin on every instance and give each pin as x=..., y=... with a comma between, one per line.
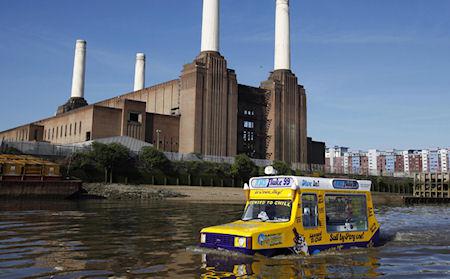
x=49, y=188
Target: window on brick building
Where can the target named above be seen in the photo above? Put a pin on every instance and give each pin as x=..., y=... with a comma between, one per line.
x=249, y=112
x=134, y=117
x=249, y=124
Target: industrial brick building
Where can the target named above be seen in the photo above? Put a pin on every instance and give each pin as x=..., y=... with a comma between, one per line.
x=203, y=111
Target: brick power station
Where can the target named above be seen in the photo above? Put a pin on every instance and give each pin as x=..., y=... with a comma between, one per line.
x=205, y=111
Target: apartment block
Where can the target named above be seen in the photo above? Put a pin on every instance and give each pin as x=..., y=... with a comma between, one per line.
x=387, y=163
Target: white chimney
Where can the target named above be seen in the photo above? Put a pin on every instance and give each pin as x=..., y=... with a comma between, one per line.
x=210, y=25
x=282, y=36
x=139, y=72
x=79, y=66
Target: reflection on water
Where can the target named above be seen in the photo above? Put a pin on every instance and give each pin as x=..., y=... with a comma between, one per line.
x=96, y=239
x=324, y=266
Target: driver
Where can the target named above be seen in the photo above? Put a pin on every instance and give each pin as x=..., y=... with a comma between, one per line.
x=271, y=211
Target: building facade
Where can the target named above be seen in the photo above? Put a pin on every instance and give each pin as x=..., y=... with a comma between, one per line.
x=387, y=163
x=331, y=158
x=204, y=111
x=444, y=159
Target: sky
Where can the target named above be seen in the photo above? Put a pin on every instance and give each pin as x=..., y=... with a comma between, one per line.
x=377, y=73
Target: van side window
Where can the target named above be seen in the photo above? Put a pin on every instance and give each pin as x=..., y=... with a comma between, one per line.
x=346, y=213
x=309, y=211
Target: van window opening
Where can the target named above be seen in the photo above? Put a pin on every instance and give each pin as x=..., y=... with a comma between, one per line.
x=309, y=211
x=268, y=211
x=346, y=213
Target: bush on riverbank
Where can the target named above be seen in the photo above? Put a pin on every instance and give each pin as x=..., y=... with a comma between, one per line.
x=282, y=168
x=102, y=162
x=153, y=161
x=243, y=167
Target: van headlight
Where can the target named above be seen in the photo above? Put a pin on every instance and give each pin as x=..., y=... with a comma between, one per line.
x=202, y=238
x=240, y=242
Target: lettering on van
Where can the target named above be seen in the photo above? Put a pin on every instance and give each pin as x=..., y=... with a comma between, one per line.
x=315, y=237
x=373, y=227
x=283, y=203
x=345, y=184
x=346, y=237
x=270, y=202
x=270, y=239
x=370, y=212
x=320, y=199
x=280, y=181
x=272, y=182
x=310, y=183
x=269, y=192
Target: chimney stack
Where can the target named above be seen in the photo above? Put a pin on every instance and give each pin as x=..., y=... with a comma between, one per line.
x=210, y=25
x=139, y=72
x=282, y=36
x=79, y=66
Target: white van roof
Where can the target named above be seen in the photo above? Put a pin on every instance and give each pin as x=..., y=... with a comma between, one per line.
x=303, y=182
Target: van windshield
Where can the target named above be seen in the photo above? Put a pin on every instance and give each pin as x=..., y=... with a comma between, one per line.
x=268, y=210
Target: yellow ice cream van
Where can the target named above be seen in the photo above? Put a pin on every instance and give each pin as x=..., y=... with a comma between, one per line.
x=299, y=215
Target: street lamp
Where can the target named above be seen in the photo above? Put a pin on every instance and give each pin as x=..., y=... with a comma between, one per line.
x=158, y=131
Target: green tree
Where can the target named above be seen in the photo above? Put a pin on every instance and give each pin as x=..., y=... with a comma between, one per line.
x=243, y=167
x=82, y=166
x=222, y=170
x=111, y=157
x=153, y=161
x=282, y=168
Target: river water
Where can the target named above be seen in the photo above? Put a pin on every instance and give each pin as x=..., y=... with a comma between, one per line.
x=98, y=239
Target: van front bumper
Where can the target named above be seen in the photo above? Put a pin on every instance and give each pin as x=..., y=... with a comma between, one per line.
x=226, y=241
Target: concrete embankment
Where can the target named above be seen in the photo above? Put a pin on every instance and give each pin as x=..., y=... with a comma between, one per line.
x=197, y=194
x=392, y=199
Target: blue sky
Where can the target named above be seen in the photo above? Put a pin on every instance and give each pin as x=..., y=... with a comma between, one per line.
x=377, y=73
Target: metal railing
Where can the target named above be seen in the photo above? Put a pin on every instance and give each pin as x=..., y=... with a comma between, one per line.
x=42, y=148
x=173, y=156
